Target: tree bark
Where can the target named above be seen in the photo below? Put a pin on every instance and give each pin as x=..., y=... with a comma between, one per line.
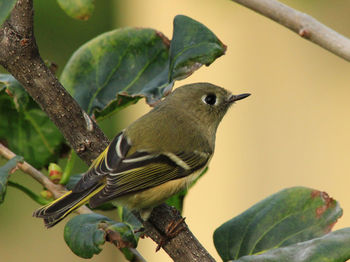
x=182, y=248
x=19, y=54
x=57, y=191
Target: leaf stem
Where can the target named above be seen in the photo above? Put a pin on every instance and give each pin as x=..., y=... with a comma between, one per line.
x=56, y=190
x=68, y=169
x=28, y=192
x=131, y=254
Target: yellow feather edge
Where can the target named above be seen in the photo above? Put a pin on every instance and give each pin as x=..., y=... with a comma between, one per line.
x=83, y=201
x=80, y=203
x=98, y=160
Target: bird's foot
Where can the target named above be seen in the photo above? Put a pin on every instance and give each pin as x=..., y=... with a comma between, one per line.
x=171, y=231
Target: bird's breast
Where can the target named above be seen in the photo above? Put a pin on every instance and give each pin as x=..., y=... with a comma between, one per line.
x=156, y=195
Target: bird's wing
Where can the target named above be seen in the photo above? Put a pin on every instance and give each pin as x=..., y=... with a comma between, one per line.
x=105, y=163
x=143, y=170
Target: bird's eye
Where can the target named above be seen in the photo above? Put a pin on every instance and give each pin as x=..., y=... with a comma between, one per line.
x=210, y=99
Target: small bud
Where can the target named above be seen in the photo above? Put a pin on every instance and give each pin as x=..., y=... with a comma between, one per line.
x=46, y=194
x=55, y=173
x=8, y=92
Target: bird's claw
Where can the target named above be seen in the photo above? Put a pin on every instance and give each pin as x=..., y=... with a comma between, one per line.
x=171, y=231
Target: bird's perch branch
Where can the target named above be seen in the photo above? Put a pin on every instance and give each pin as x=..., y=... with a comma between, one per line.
x=20, y=56
x=174, y=247
x=303, y=24
x=56, y=190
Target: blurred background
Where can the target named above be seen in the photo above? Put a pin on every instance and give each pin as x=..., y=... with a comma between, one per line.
x=293, y=131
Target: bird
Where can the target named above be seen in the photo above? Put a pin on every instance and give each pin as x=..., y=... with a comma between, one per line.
x=155, y=157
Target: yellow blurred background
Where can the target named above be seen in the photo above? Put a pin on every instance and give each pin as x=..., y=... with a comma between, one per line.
x=293, y=131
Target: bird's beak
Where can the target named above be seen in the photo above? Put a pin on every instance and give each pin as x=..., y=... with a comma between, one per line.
x=234, y=98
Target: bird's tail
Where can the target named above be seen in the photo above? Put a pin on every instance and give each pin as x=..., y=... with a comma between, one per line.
x=55, y=211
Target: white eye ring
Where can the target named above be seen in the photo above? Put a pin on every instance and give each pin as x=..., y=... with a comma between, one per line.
x=210, y=99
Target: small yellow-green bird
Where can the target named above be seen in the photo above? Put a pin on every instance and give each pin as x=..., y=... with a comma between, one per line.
x=157, y=156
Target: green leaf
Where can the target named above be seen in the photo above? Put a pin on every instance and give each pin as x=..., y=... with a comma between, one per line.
x=123, y=234
x=5, y=172
x=287, y=217
x=25, y=127
x=6, y=7
x=118, y=68
x=129, y=218
x=68, y=168
x=14, y=89
x=192, y=46
x=333, y=247
x=177, y=200
x=86, y=233
x=78, y=9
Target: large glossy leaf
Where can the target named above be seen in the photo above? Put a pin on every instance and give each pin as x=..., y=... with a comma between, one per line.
x=78, y=9
x=287, y=217
x=5, y=172
x=192, y=46
x=6, y=7
x=333, y=247
x=117, y=68
x=86, y=233
x=24, y=127
x=118, y=62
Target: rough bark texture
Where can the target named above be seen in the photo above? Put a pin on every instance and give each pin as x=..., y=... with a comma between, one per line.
x=20, y=56
x=184, y=247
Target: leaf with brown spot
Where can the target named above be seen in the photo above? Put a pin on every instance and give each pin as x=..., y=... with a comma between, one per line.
x=333, y=247
x=285, y=218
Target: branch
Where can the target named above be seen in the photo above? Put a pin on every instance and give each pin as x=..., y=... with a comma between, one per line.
x=184, y=247
x=56, y=190
x=20, y=56
x=303, y=24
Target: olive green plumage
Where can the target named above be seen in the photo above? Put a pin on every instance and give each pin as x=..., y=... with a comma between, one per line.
x=155, y=157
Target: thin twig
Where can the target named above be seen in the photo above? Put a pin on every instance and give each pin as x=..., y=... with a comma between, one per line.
x=303, y=24
x=56, y=190
x=20, y=56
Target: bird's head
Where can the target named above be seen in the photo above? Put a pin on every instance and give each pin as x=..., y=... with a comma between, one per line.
x=204, y=101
